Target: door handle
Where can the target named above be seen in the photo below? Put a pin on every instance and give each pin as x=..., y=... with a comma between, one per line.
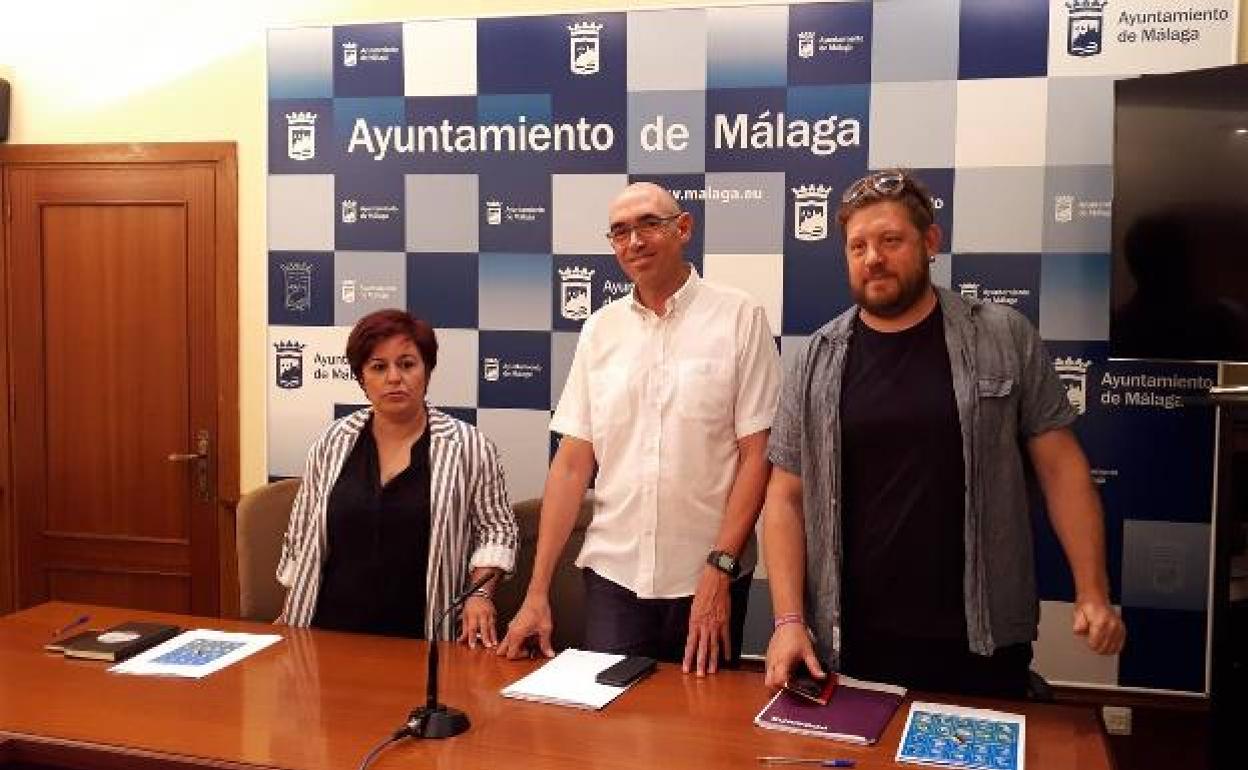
x=183, y=458
x=200, y=458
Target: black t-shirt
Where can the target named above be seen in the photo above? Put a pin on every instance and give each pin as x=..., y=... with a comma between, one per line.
x=377, y=540
x=902, y=472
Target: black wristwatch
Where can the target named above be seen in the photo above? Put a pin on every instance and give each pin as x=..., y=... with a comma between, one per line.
x=725, y=563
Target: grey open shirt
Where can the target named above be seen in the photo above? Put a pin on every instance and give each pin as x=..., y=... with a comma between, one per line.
x=1006, y=391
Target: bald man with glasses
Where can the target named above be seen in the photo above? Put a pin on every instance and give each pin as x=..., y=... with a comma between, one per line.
x=897, y=521
x=671, y=394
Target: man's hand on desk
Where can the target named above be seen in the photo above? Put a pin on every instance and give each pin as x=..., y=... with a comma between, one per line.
x=709, y=639
x=790, y=644
x=532, y=623
x=1101, y=626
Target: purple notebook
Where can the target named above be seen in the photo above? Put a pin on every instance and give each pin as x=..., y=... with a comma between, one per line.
x=858, y=712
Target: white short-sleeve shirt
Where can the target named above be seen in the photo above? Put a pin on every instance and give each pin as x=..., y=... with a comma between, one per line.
x=663, y=400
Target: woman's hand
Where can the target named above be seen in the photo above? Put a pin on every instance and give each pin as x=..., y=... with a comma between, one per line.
x=479, y=624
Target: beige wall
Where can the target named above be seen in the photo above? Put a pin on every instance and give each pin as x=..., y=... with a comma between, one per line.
x=161, y=71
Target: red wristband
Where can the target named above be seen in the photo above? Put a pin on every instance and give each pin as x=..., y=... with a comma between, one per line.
x=787, y=618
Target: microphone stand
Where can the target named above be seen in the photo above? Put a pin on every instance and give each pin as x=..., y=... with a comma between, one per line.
x=434, y=719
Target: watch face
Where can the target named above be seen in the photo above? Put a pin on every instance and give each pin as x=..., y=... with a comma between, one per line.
x=725, y=562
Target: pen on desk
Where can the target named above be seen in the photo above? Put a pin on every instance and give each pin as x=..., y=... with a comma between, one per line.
x=807, y=761
x=78, y=621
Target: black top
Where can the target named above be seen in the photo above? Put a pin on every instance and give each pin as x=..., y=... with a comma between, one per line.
x=377, y=542
x=902, y=471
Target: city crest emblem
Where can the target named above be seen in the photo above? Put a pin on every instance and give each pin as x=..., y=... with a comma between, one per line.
x=301, y=135
x=490, y=369
x=288, y=362
x=969, y=290
x=493, y=213
x=575, y=293
x=350, y=54
x=350, y=211
x=805, y=45
x=583, y=58
x=1073, y=374
x=348, y=291
x=297, y=286
x=1085, y=27
x=810, y=212
x=1063, y=208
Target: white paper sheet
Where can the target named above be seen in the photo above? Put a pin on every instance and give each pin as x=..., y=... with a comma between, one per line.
x=196, y=653
x=568, y=680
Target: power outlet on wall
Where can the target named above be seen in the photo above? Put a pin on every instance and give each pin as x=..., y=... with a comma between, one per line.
x=1117, y=719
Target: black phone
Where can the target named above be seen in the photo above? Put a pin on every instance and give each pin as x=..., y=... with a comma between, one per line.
x=804, y=684
x=624, y=672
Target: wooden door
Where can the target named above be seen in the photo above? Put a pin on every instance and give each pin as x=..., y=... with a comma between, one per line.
x=114, y=336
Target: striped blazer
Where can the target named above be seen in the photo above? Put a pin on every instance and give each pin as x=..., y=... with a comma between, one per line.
x=470, y=518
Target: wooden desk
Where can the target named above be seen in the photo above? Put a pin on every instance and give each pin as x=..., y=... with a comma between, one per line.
x=322, y=700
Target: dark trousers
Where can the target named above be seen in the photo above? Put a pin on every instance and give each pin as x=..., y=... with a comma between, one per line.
x=938, y=665
x=617, y=621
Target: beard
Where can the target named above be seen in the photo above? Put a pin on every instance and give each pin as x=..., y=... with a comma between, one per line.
x=899, y=297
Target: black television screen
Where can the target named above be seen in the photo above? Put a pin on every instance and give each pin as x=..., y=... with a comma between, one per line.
x=1179, y=289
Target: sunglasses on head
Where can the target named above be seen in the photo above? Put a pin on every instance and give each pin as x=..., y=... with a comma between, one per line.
x=886, y=183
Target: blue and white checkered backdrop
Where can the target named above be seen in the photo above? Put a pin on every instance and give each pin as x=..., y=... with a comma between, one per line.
x=462, y=168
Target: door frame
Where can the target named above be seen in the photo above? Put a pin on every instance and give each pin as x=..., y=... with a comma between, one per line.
x=222, y=157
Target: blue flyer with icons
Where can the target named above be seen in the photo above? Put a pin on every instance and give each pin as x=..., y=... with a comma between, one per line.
x=957, y=736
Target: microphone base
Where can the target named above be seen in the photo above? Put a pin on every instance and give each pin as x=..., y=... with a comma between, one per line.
x=437, y=722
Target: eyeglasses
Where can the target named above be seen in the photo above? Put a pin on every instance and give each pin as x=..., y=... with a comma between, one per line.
x=645, y=227
x=886, y=183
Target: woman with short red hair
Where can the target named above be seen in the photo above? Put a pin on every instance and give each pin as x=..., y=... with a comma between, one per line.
x=402, y=506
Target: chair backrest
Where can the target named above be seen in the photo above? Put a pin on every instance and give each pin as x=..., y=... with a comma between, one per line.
x=259, y=526
x=567, y=589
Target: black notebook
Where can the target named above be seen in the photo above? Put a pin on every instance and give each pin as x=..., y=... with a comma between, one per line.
x=119, y=642
x=58, y=645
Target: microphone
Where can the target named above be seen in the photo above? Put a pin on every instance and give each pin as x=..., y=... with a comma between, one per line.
x=436, y=720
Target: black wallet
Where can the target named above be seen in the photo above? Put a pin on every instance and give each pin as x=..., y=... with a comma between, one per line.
x=624, y=672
